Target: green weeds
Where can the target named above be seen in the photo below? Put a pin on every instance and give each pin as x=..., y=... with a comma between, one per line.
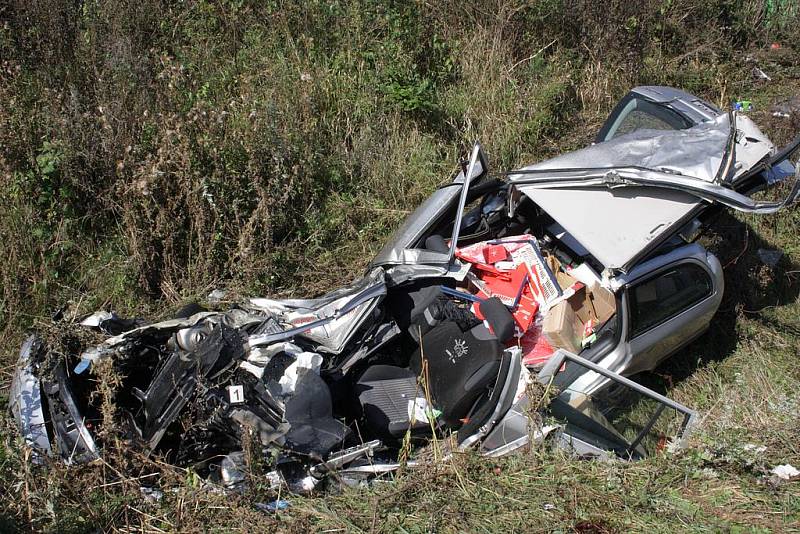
x=152, y=151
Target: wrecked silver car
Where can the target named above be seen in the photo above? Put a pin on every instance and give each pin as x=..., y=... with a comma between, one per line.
x=506, y=310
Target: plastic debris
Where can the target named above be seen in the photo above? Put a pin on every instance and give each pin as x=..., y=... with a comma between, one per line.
x=216, y=296
x=273, y=506
x=232, y=470
x=275, y=480
x=151, y=494
x=743, y=105
x=304, y=362
x=759, y=74
x=82, y=366
x=769, y=258
x=786, y=472
x=420, y=410
x=97, y=318
x=786, y=108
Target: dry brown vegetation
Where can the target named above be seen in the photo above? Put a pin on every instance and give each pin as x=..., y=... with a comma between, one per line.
x=151, y=151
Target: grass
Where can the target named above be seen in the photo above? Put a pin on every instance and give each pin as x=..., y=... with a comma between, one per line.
x=150, y=152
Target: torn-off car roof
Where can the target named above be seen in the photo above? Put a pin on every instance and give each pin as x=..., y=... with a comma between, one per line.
x=615, y=224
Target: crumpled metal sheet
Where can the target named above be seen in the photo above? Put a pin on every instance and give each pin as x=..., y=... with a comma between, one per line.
x=698, y=151
x=329, y=321
x=25, y=400
x=611, y=201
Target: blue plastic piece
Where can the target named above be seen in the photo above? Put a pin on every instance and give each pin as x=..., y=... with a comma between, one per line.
x=460, y=294
x=779, y=172
x=82, y=366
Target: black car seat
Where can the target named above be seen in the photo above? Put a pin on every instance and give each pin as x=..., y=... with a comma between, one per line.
x=309, y=412
x=461, y=367
x=384, y=392
x=464, y=363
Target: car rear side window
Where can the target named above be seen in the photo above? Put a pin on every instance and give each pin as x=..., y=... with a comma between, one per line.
x=638, y=120
x=667, y=294
x=640, y=114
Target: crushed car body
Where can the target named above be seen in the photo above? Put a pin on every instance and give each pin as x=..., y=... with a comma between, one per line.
x=506, y=309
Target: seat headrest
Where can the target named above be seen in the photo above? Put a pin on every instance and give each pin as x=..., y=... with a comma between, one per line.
x=499, y=318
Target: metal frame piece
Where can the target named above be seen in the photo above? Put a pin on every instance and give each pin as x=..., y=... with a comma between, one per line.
x=554, y=366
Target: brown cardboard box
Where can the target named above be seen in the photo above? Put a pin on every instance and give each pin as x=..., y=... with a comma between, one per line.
x=595, y=302
x=564, y=280
x=562, y=327
x=563, y=324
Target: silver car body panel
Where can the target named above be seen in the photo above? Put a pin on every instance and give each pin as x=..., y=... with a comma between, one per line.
x=645, y=351
x=635, y=177
x=684, y=103
x=400, y=249
x=618, y=197
x=25, y=398
x=330, y=320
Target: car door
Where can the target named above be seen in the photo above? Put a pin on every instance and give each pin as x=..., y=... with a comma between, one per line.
x=669, y=301
x=633, y=423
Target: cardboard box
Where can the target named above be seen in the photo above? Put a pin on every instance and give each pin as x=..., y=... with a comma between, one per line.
x=562, y=327
x=564, y=322
x=565, y=281
x=595, y=302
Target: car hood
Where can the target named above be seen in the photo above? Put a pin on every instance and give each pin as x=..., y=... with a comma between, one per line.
x=621, y=197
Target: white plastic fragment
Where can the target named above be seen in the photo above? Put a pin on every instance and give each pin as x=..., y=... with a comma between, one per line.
x=254, y=370
x=759, y=74
x=786, y=472
x=151, y=494
x=259, y=357
x=96, y=318
x=262, y=355
x=458, y=270
x=308, y=361
x=303, y=485
x=420, y=411
x=216, y=296
x=275, y=480
x=232, y=469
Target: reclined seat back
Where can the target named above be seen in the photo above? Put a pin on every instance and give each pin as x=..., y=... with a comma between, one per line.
x=469, y=376
x=461, y=367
